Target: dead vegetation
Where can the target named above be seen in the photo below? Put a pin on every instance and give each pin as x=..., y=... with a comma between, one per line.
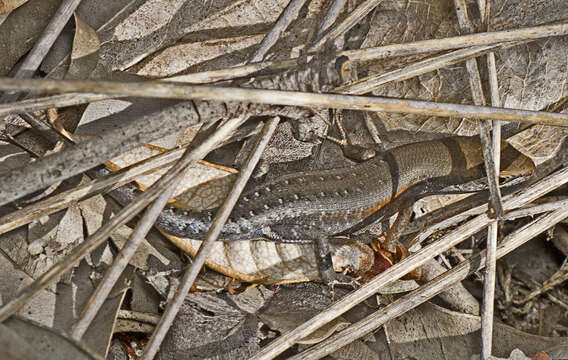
x=174, y=96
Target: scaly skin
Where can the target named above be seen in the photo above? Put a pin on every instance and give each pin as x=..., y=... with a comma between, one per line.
x=305, y=206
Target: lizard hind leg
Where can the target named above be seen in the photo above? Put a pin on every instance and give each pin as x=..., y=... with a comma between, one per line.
x=302, y=233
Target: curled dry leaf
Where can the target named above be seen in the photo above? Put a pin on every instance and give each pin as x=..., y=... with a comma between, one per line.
x=269, y=262
x=85, y=53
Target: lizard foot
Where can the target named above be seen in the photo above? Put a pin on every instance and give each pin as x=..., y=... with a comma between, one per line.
x=339, y=279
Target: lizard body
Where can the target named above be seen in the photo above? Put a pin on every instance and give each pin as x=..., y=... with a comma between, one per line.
x=311, y=206
x=301, y=207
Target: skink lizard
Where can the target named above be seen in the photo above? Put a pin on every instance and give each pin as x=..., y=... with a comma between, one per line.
x=310, y=206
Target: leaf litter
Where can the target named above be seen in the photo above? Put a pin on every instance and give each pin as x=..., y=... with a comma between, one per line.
x=152, y=40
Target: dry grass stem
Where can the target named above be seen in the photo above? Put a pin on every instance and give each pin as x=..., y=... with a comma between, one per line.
x=456, y=42
x=372, y=82
x=386, y=51
x=126, y=214
x=276, y=97
x=492, y=235
x=214, y=231
x=536, y=209
x=48, y=102
x=288, y=15
x=431, y=289
x=410, y=263
x=351, y=20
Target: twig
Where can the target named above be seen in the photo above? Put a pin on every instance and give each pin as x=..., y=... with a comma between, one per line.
x=408, y=264
x=351, y=20
x=429, y=290
x=293, y=98
x=560, y=276
x=491, y=261
x=386, y=51
x=47, y=102
x=372, y=82
x=143, y=317
x=330, y=16
x=288, y=15
x=123, y=216
x=206, y=246
x=456, y=42
x=92, y=152
x=44, y=43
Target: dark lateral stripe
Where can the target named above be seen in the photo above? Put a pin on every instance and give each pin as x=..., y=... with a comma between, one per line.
x=458, y=157
x=394, y=171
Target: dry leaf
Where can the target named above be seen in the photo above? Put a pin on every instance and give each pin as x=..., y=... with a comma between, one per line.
x=8, y=5
x=140, y=258
x=210, y=327
x=41, y=307
x=41, y=341
x=85, y=53
x=93, y=210
x=530, y=76
x=432, y=332
x=19, y=32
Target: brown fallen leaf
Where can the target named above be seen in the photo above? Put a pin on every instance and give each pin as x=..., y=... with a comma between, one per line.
x=8, y=5
x=85, y=53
